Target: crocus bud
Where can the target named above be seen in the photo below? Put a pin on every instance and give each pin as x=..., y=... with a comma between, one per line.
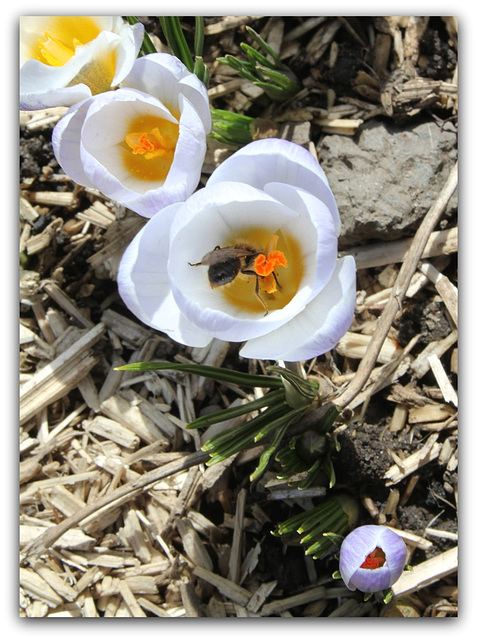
x=371, y=558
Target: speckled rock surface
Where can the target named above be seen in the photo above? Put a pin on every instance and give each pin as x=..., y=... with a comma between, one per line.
x=386, y=177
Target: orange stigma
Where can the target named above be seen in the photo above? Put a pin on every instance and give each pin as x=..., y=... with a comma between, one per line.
x=150, y=145
x=266, y=263
x=374, y=560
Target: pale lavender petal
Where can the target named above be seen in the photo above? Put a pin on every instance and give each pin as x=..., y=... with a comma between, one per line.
x=157, y=74
x=358, y=545
x=190, y=152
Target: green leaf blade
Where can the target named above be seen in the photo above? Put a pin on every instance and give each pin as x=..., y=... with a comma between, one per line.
x=176, y=41
x=215, y=373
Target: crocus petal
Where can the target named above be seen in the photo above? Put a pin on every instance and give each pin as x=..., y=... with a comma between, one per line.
x=95, y=66
x=358, y=545
x=194, y=90
x=127, y=51
x=143, y=282
x=167, y=78
x=65, y=140
x=309, y=206
x=34, y=28
x=186, y=167
x=275, y=160
x=34, y=98
x=318, y=327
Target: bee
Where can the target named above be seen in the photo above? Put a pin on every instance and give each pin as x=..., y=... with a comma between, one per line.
x=228, y=263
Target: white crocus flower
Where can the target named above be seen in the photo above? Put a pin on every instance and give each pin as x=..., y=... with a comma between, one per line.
x=287, y=296
x=65, y=59
x=142, y=145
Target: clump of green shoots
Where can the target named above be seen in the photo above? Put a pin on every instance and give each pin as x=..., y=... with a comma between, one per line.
x=288, y=398
x=265, y=69
x=323, y=527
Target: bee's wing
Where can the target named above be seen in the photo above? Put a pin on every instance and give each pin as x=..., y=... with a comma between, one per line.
x=227, y=253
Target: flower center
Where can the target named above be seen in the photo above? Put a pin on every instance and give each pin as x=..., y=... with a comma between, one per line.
x=374, y=560
x=149, y=147
x=64, y=34
x=278, y=272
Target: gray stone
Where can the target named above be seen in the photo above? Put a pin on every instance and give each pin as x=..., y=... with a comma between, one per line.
x=387, y=177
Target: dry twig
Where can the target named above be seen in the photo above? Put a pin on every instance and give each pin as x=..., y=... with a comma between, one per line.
x=401, y=285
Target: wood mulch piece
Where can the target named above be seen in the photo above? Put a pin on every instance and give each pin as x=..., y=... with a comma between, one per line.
x=119, y=516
